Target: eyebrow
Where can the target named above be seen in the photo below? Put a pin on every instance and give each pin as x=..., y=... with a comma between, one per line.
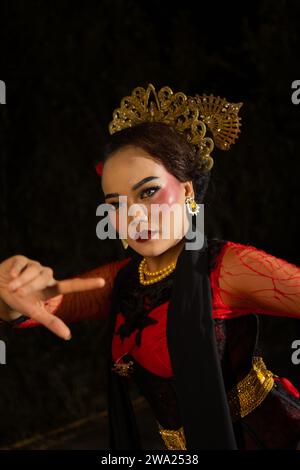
x=135, y=186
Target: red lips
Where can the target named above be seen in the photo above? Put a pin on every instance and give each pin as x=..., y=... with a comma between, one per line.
x=146, y=234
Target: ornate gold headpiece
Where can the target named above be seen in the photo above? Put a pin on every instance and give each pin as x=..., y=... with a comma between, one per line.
x=189, y=115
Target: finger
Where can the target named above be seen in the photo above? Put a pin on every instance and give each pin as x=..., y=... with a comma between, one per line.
x=79, y=285
x=31, y=272
x=56, y=325
x=43, y=280
x=19, y=264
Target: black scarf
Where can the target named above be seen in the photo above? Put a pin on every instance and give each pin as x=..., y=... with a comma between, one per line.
x=196, y=366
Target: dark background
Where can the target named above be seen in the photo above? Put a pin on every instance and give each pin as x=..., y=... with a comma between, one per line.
x=66, y=69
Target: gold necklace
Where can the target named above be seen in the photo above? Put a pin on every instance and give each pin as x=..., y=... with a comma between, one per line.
x=155, y=275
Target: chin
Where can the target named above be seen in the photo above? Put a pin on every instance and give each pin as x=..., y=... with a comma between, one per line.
x=153, y=248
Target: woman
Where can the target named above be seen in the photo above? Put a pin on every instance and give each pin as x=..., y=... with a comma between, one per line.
x=182, y=322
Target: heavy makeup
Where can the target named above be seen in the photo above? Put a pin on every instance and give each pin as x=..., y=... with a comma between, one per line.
x=145, y=181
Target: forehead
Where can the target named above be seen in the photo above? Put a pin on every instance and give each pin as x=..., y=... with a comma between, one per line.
x=127, y=167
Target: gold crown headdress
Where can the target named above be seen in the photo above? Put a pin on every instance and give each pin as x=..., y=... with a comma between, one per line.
x=188, y=115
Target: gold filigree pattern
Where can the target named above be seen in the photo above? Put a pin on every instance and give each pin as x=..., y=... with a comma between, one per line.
x=173, y=439
x=250, y=391
x=124, y=369
x=188, y=115
x=221, y=118
x=242, y=400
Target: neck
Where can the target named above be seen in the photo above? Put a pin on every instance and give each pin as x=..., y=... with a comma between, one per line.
x=155, y=263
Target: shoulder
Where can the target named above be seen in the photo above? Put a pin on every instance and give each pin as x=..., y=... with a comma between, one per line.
x=245, y=254
x=228, y=255
x=246, y=264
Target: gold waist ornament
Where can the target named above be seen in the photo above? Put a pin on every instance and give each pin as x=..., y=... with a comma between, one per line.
x=247, y=395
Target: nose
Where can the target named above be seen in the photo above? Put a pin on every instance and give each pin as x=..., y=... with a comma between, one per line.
x=138, y=216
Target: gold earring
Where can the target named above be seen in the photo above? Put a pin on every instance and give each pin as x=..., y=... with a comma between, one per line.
x=192, y=206
x=124, y=243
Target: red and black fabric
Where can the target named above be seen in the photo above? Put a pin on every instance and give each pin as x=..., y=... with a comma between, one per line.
x=199, y=384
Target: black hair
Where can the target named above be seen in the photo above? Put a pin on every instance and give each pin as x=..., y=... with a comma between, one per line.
x=163, y=142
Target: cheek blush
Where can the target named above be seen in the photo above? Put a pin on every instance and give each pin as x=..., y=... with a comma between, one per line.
x=170, y=194
x=167, y=196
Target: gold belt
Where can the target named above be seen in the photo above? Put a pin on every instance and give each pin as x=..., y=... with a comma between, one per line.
x=247, y=395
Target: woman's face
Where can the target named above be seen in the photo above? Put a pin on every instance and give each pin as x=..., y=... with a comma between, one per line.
x=132, y=172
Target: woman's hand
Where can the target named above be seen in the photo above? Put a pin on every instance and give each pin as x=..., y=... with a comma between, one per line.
x=25, y=284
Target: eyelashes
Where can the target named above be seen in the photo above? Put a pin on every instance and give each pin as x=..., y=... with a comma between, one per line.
x=149, y=191
x=155, y=188
x=116, y=205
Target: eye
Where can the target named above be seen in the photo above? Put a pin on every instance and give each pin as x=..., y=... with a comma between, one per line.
x=116, y=205
x=149, y=191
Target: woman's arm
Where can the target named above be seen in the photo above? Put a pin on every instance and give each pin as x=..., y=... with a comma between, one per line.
x=30, y=289
x=92, y=304
x=250, y=278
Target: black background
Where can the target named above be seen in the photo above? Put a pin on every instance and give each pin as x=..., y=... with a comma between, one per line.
x=66, y=68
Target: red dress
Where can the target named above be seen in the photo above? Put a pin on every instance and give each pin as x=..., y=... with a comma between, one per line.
x=272, y=284
x=245, y=281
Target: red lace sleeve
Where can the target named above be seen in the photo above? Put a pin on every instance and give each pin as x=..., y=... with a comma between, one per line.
x=86, y=305
x=250, y=280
